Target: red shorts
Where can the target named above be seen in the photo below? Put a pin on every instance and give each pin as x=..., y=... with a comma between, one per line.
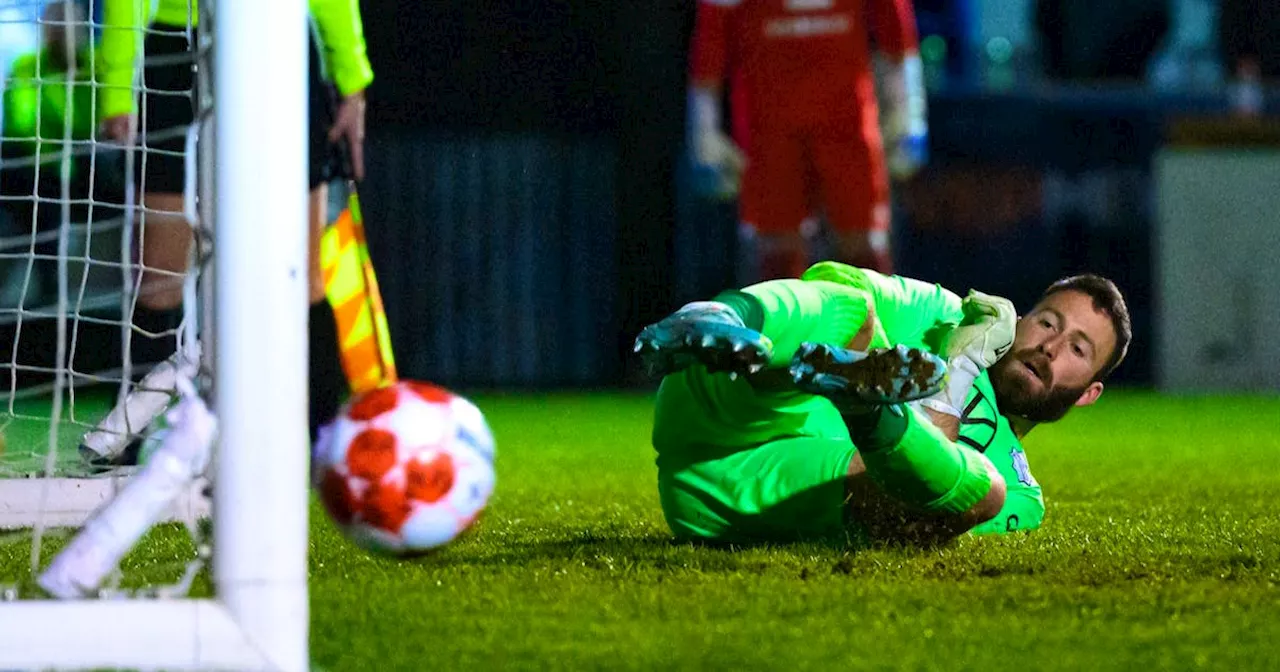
x=791, y=177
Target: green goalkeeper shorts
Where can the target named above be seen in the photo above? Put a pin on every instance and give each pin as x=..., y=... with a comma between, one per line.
x=787, y=489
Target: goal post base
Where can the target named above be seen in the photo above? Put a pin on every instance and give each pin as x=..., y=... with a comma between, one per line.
x=143, y=634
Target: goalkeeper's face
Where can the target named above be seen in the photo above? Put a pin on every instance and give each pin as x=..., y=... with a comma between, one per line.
x=1058, y=350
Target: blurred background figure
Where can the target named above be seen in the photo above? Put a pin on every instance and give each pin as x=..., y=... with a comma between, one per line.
x=1249, y=44
x=810, y=137
x=48, y=111
x=40, y=114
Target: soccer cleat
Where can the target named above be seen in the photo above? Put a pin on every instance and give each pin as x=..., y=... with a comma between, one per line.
x=128, y=456
x=879, y=376
x=114, y=441
x=705, y=333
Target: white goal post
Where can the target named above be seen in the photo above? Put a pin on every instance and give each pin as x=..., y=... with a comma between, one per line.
x=258, y=619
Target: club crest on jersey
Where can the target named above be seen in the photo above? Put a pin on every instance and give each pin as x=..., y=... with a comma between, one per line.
x=1021, y=467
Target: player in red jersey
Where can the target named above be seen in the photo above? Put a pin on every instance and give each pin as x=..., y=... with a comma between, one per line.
x=805, y=110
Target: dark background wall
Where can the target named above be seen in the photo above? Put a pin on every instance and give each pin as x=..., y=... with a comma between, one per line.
x=528, y=212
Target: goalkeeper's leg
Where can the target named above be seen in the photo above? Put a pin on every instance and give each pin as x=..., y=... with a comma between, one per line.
x=724, y=335
x=710, y=333
x=876, y=502
x=908, y=480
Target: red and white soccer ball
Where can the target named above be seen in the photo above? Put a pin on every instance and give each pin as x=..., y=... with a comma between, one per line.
x=406, y=468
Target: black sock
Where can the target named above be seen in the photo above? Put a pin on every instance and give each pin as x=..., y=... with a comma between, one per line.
x=147, y=350
x=328, y=381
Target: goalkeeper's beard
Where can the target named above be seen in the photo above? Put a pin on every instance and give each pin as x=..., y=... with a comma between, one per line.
x=1015, y=394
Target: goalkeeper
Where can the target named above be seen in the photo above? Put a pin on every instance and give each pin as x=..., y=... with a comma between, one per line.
x=849, y=404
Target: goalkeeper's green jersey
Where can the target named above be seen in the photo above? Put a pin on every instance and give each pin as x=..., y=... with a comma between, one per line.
x=985, y=430
x=337, y=21
x=768, y=461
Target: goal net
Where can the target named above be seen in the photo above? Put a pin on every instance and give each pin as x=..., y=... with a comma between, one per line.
x=153, y=508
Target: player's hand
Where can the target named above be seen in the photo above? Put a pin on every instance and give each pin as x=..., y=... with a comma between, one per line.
x=906, y=153
x=986, y=332
x=906, y=139
x=704, y=332
x=119, y=128
x=717, y=162
x=349, y=123
x=720, y=160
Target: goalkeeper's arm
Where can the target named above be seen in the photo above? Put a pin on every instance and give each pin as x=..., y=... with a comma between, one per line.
x=984, y=336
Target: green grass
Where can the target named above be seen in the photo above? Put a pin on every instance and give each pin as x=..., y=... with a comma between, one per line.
x=1161, y=551
x=25, y=428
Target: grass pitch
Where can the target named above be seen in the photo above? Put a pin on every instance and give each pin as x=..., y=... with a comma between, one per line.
x=1161, y=551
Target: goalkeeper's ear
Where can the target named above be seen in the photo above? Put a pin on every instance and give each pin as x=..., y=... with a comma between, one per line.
x=1090, y=394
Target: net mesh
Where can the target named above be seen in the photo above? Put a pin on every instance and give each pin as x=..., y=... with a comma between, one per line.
x=73, y=225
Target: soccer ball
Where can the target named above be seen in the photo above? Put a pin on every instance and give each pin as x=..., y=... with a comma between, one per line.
x=406, y=468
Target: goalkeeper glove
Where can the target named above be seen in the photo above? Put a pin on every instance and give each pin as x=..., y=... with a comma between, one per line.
x=902, y=119
x=704, y=332
x=717, y=161
x=986, y=332
x=980, y=340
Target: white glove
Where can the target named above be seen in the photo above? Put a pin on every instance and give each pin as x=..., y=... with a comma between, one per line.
x=712, y=150
x=903, y=123
x=986, y=332
x=980, y=340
